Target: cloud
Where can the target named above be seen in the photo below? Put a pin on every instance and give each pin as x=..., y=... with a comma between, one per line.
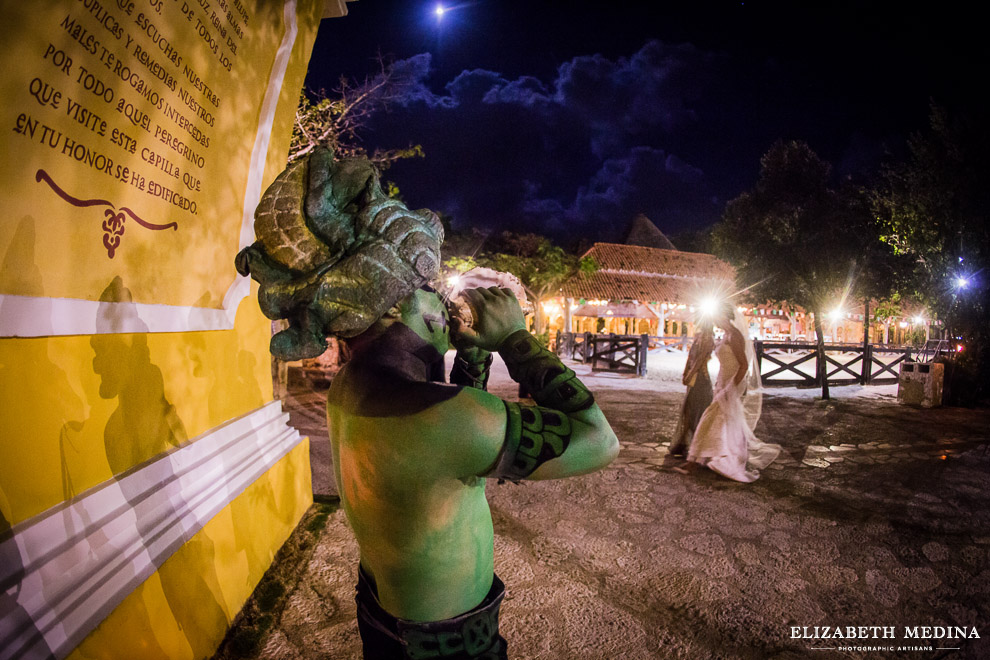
x=410, y=86
x=629, y=99
x=525, y=91
x=645, y=180
x=583, y=152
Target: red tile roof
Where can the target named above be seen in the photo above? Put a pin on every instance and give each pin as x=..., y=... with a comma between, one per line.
x=631, y=272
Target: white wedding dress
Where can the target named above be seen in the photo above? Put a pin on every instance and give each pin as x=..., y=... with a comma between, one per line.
x=724, y=440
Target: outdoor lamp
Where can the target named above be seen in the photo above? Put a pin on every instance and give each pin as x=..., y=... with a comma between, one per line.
x=708, y=306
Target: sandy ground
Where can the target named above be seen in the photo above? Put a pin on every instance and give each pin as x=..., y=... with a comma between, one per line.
x=876, y=514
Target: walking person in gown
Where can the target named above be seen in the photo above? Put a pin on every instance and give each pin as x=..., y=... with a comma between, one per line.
x=699, y=388
x=724, y=440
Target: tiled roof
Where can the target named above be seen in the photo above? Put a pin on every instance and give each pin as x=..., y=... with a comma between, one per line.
x=605, y=285
x=629, y=272
x=635, y=258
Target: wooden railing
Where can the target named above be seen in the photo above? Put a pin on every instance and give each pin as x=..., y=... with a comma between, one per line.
x=780, y=362
x=619, y=353
x=844, y=363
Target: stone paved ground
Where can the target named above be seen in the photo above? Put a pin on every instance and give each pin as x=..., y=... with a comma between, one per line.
x=875, y=515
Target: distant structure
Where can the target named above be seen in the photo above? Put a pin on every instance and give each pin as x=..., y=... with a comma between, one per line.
x=644, y=286
x=648, y=286
x=644, y=233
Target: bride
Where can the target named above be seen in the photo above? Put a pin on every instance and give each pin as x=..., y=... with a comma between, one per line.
x=724, y=440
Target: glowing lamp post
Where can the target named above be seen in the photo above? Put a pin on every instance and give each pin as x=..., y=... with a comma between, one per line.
x=834, y=317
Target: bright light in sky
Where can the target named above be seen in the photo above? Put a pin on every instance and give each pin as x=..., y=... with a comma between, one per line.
x=919, y=320
x=835, y=314
x=962, y=282
x=439, y=11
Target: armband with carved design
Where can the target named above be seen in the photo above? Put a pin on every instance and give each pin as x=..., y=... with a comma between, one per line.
x=533, y=436
x=544, y=376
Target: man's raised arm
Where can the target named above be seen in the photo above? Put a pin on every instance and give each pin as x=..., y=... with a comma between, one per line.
x=565, y=434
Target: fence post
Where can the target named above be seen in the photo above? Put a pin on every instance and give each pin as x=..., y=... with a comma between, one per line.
x=758, y=345
x=867, y=364
x=644, y=351
x=821, y=366
x=587, y=348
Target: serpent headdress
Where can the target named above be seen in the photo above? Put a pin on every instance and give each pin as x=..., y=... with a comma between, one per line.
x=334, y=252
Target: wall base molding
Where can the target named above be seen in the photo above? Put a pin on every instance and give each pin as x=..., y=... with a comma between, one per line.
x=63, y=571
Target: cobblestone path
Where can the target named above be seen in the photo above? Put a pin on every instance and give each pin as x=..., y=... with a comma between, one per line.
x=874, y=515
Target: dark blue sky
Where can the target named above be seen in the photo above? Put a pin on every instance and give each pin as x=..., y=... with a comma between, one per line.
x=568, y=118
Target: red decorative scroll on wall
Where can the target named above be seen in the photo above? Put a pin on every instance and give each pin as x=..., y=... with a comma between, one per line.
x=113, y=225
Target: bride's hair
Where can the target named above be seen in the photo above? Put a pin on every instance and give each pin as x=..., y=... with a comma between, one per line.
x=727, y=310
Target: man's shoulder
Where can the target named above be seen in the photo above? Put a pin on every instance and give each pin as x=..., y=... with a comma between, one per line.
x=374, y=391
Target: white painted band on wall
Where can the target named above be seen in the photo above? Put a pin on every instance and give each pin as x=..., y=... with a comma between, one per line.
x=66, y=569
x=30, y=316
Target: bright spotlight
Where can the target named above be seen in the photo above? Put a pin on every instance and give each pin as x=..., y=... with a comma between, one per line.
x=835, y=314
x=962, y=282
x=918, y=320
x=453, y=280
x=439, y=11
x=708, y=306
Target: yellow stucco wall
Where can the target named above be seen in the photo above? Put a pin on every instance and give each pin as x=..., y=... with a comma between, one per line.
x=182, y=611
x=77, y=410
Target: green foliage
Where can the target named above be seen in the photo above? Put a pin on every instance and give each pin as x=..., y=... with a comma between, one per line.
x=889, y=308
x=787, y=237
x=796, y=238
x=392, y=190
x=456, y=264
x=934, y=206
x=541, y=266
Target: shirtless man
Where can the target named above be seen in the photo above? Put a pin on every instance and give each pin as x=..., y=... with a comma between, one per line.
x=411, y=455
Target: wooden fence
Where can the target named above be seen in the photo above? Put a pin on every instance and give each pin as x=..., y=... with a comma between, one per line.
x=844, y=363
x=619, y=353
x=781, y=363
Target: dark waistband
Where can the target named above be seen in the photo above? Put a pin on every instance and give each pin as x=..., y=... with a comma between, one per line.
x=473, y=632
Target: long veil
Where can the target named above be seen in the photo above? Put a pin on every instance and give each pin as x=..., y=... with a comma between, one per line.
x=752, y=385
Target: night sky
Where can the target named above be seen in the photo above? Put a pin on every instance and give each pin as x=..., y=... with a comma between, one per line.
x=568, y=118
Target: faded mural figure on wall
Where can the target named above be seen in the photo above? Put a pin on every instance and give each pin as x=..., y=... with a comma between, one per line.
x=411, y=453
x=144, y=425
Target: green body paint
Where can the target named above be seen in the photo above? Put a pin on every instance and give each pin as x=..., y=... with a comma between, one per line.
x=408, y=456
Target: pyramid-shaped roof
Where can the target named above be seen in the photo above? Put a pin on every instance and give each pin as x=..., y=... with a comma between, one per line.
x=644, y=233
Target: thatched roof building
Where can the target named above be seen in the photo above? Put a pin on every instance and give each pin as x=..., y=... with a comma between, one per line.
x=649, y=275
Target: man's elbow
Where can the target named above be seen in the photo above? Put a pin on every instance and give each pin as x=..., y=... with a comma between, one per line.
x=608, y=449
